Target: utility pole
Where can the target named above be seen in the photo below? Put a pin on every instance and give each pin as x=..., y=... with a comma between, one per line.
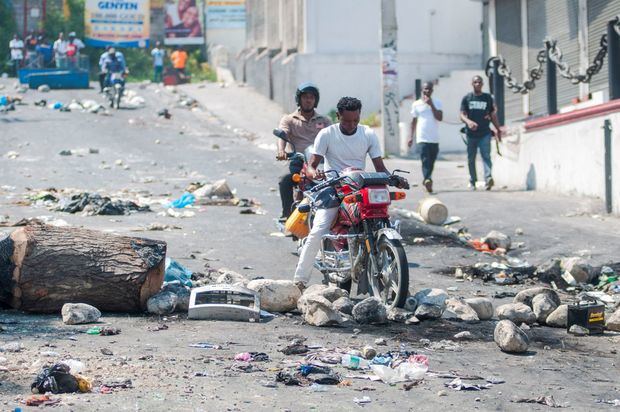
x=389, y=78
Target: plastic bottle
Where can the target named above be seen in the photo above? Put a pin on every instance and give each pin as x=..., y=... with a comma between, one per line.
x=354, y=362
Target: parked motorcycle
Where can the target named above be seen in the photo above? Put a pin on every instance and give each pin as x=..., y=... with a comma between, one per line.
x=363, y=248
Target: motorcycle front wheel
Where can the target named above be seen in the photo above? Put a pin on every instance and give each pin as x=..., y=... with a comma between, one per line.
x=388, y=273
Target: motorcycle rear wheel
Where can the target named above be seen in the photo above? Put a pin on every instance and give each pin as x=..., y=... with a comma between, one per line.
x=391, y=282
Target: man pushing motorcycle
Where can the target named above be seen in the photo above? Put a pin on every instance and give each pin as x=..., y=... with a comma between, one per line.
x=301, y=128
x=343, y=145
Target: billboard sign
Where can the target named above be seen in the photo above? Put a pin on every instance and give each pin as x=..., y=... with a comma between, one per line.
x=225, y=14
x=123, y=23
x=183, y=22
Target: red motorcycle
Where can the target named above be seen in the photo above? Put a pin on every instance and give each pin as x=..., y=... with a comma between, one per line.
x=363, y=248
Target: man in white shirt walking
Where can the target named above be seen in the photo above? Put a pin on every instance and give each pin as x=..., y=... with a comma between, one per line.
x=427, y=113
x=17, y=52
x=60, y=51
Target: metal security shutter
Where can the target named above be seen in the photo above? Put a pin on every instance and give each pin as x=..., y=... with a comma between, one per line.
x=509, y=43
x=562, y=25
x=599, y=13
x=536, y=33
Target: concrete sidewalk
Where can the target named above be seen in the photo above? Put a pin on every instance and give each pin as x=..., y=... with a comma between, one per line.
x=554, y=225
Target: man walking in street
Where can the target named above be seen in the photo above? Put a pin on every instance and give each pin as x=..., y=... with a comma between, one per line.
x=158, y=62
x=301, y=127
x=477, y=112
x=17, y=53
x=427, y=113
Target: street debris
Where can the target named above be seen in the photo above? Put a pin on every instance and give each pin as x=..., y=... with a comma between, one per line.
x=276, y=295
x=370, y=311
x=510, y=338
x=78, y=313
x=543, y=400
x=458, y=385
x=95, y=204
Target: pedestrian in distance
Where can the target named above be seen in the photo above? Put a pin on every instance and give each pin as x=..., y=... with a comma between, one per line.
x=31, y=42
x=158, y=54
x=427, y=113
x=60, y=51
x=179, y=60
x=74, y=45
x=45, y=52
x=477, y=112
x=301, y=127
x=17, y=53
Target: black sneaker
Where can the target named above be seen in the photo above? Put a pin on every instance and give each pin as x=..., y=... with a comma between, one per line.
x=489, y=184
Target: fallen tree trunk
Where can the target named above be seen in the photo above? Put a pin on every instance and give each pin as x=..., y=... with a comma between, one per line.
x=43, y=267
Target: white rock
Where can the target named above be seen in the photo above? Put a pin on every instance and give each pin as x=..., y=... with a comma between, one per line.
x=11, y=347
x=578, y=330
x=44, y=88
x=465, y=335
x=276, y=295
x=516, y=312
x=231, y=277
x=331, y=293
x=461, y=310
x=370, y=310
x=558, y=317
x=527, y=295
x=78, y=313
x=613, y=322
x=497, y=240
x=318, y=311
x=510, y=338
x=432, y=296
x=543, y=306
x=482, y=306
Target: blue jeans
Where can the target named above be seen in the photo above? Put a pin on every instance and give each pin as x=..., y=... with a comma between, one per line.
x=157, y=73
x=484, y=144
x=428, y=155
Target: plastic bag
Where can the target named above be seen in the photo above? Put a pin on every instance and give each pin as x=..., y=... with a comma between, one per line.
x=56, y=379
x=186, y=199
x=177, y=272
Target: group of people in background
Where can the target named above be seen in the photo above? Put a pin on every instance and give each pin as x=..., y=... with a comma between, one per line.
x=36, y=52
x=178, y=58
x=477, y=112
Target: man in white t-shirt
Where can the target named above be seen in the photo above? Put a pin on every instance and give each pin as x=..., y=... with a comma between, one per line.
x=342, y=145
x=17, y=52
x=427, y=113
x=60, y=51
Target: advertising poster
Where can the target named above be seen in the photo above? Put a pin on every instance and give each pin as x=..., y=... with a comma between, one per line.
x=183, y=22
x=123, y=23
x=225, y=14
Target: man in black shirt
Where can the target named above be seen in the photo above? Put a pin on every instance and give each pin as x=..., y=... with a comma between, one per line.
x=477, y=111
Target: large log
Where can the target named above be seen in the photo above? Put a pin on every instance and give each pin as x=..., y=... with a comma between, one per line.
x=43, y=267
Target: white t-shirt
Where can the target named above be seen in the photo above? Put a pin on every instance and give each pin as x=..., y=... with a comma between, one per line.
x=341, y=151
x=427, y=129
x=60, y=47
x=16, y=47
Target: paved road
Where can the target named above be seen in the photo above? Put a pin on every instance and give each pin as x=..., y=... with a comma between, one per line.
x=160, y=157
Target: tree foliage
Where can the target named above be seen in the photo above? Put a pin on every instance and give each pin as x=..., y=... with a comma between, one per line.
x=8, y=27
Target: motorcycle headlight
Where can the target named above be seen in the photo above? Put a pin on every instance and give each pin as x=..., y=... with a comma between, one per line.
x=378, y=196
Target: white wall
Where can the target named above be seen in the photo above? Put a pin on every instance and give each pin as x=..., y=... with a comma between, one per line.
x=565, y=159
x=232, y=39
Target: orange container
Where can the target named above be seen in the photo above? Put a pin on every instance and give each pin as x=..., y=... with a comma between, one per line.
x=297, y=223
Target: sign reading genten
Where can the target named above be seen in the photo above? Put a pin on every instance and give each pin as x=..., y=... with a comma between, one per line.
x=123, y=23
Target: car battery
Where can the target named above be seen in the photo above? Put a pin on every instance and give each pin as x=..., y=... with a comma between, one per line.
x=589, y=314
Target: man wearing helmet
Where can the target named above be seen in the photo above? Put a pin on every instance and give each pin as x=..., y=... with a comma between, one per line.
x=301, y=128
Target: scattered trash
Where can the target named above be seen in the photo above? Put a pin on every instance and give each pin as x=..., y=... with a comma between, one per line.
x=295, y=349
x=205, y=345
x=224, y=302
x=458, y=385
x=252, y=357
x=55, y=379
x=362, y=401
x=95, y=204
x=186, y=199
x=543, y=400
x=40, y=400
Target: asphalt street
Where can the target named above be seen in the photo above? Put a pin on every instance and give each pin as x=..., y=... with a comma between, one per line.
x=143, y=157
